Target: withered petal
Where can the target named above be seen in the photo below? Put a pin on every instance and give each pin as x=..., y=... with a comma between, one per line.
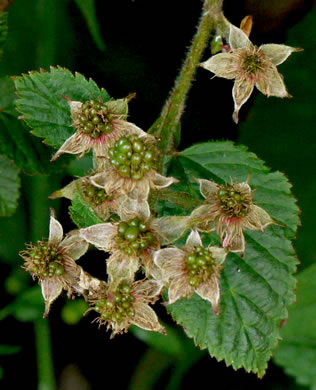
x=130, y=207
x=234, y=239
x=148, y=288
x=179, y=288
x=170, y=261
x=75, y=144
x=271, y=83
x=238, y=39
x=194, y=239
x=160, y=181
x=67, y=192
x=207, y=187
x=258, y=218
x=99, y=235
x=242, y=90
x=121, y=269
x=74, y=245
x=55, y=231
x=201, y=219
x=146, y=318
x=218, y=254
x=277, y=53
x=75, y=108
x=210, y=291
x=51, y=289
x=223, y=65
x=171, y=228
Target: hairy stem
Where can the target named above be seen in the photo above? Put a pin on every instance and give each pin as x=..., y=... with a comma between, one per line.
x=167, y=127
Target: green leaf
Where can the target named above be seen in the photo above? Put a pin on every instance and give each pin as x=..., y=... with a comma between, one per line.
x=9, y=186
x=87, y=8
x=28, y=152
x=82, y=213
x=256, y=290
x=297, y=351
x=16, y=141
x=41, y=100
x=3, y=30
x=9, y=349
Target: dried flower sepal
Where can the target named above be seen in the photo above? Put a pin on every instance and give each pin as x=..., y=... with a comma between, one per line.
x=250, y=66
x=128, y=304
x=229, y=209
x=131, y=167
x=191, y=269
x=53, y=262
x=96, y=123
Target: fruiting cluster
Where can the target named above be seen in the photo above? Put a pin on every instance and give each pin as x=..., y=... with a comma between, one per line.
x=95, y=195
x=250, y=66
x=43, y=260
x=118, y=192
x=200, y=266
x=132, y=157
x=116, y=306
x=233, y=203
x=94, y=119
x=253, y=63
x=133, y=236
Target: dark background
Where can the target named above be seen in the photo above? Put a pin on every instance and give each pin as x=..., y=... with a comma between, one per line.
x=145, y=44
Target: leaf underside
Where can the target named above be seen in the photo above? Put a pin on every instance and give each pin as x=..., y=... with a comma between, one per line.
x=42, y=101
x=255, y=290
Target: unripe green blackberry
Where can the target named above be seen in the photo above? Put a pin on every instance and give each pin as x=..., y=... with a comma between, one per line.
x=133, y=236
x=119, y=306
x=132, y=157
x=95, y=195
x=199, y=265
x=94, y=119
x=44, y=260
x=232, y=202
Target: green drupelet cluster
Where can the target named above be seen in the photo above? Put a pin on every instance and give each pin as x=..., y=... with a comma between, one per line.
x=232, y=202
x=94, y=119
x=44, y=260
x=95, y=195
x=133, y=236
x=252, y=63
x=117, y=306
x=200, y=266
x=132, y=157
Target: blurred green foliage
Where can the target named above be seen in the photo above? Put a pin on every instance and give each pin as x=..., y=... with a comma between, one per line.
x=297, y=351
